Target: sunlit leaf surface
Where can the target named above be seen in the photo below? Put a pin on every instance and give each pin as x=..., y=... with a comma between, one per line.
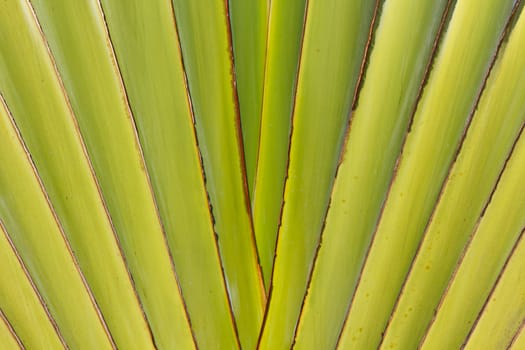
x=263, y=174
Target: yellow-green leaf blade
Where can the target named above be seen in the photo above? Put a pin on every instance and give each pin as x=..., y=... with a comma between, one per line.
x=494, y=129
x=461, y=66
x=8, y=339
x=206, y=50
x=505, y=309
x=374, y=141
x=249, y=25
x=26, y=214
x=490, y=245
x=20, y=303
x=35, y=94
x=519, y=340
x=77, y=37
x=152, y=70
x=329, y=64
x=285, y=27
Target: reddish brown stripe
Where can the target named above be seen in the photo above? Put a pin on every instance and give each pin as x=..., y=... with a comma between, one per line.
x=262, y=98
x=67, y=101
x=451, y=167
x=296, y=83
x=12, y=245
x=469, y=242
x=496, y=283
x=516, y=335
x=34, y=287
x=115, y=236
x=444, y=22
x=203, y=175
x=10, y=329
x=364, y=62
x=240, y=146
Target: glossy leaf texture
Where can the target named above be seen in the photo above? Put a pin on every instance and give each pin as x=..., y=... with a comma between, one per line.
x=249, y=20
x=357, y=196
x=209, y=68
x=423, y=166
x=313, y=151
x=469, y=185
x=280, y=80
x=518, y=341
x=504, y=309
x=106, y=125
x=8, y=337
x=154, y=80
x=23, y=304
x=262, y=174
x=68, y=298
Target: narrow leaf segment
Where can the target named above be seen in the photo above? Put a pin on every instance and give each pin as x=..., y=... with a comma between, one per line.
x=98, y=102
x=459, y=73
x=284, y=39
x=483, y=261
x=21, y=303
x=249, y=26
x=205, y=39
x=495, y=127
x=335, y=38
x=405, y=37
x=152, y=70
x=8, y=338
x=519, y=339
x=26, y=214
x=504, y=310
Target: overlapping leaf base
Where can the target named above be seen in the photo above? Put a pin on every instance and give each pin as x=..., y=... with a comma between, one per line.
x=263, y=174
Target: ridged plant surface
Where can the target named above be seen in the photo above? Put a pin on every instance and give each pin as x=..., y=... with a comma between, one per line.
x=262, y=174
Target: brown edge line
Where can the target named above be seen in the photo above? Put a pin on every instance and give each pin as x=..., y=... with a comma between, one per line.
x=451, y=167
x=84, y=150
x=263, y=92
x=469, y=242
x=203, y=175
x=68, y=247
x=285, y=181
x=115, y=236
x=11, y=243
x=494, y=287
x=9, y=327
x=240, y=146
x=52, y=210
x=357, y=89
x=516, y=335
x=237, y=104
x=130, y=113
x=261, y=114
x=433, y=54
